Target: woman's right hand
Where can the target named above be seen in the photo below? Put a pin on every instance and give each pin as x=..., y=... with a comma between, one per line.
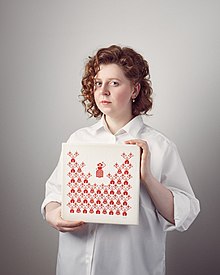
x=53, y=217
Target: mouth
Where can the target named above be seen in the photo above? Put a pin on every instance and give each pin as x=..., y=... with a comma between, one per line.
x=105, y=102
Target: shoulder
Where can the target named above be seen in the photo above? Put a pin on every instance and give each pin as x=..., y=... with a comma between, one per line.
x=155, y=134
x=156, y=138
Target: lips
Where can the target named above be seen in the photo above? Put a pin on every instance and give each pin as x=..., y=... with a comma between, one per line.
x=105, y=102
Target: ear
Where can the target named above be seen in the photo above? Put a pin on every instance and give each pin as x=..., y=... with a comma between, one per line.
x=136, y=90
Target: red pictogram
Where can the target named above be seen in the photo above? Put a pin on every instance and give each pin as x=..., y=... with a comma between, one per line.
x=99, y=170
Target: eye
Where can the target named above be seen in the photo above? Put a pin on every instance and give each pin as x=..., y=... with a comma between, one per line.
x=114, y=83
x=98, y=83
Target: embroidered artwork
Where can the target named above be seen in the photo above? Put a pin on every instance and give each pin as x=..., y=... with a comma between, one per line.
x=101, y=183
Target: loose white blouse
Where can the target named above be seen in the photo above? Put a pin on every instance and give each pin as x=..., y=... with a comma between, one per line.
x=99, y=249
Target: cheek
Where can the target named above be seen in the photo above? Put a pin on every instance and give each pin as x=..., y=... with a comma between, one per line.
x=123, y=96
x=95, y=98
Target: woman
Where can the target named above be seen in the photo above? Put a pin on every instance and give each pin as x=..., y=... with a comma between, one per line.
x=117, y=88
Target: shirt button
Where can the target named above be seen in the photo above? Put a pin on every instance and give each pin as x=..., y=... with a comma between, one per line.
x=87, y=259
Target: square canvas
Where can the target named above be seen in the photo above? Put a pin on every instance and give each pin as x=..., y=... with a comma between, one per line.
x=101, y=183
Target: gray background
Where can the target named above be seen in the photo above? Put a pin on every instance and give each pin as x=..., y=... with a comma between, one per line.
x=43, y=49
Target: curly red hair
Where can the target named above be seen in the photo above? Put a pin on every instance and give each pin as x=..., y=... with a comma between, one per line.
x=135, y=68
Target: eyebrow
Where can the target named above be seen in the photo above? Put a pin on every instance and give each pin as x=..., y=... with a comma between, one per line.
x=112, y=78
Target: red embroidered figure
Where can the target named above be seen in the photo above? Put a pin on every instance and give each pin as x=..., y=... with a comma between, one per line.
x=117, y=212
x=73, y=156
x=99, y=170
x=127, y=157
x=104, y=211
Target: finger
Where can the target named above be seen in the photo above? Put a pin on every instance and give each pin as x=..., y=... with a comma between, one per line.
x=141, y=143
x=131, y=141
x=66, y=229
x=68, y=224
x=71, y=229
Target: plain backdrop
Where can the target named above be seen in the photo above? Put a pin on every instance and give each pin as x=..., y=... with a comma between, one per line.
x=44, y=45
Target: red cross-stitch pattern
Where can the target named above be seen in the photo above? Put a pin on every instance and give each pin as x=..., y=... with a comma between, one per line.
x=111, y=199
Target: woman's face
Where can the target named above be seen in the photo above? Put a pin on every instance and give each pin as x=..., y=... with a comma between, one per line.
x=113, y=92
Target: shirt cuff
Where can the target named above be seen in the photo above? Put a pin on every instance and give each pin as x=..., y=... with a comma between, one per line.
x=182, y=213
x=48, y=199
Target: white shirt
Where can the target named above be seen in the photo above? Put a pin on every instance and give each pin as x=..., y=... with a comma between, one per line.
x=105, y=249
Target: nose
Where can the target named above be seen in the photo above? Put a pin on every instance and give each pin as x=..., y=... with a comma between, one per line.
x=105, y=90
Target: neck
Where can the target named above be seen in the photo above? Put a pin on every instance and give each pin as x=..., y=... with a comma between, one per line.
x=115, y=124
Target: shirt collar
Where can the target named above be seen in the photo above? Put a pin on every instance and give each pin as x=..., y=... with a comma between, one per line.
x=97, y=126
x=132, y=127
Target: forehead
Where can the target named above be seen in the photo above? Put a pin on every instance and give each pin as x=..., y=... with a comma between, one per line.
x=110, y=71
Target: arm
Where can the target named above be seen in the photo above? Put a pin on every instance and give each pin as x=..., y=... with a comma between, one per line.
x=53, y=217
x=160, y=195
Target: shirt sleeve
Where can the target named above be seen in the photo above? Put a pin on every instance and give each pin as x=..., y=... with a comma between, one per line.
x=186, y=205
x=53, y=188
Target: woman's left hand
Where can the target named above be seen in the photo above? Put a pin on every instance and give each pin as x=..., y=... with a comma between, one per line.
x=145, y=169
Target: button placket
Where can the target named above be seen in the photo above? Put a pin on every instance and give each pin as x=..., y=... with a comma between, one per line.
x=90, y=248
